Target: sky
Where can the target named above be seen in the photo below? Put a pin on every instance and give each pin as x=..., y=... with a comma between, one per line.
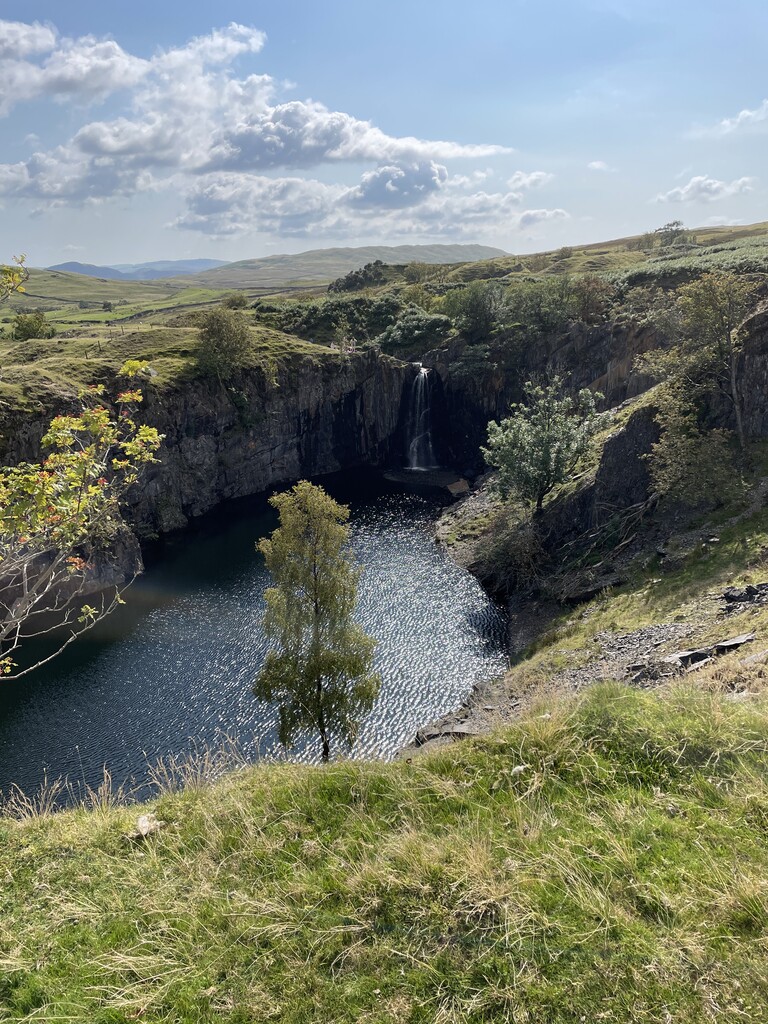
x=140, y=131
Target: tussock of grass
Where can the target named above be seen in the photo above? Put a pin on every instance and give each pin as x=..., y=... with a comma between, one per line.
x=601, y=860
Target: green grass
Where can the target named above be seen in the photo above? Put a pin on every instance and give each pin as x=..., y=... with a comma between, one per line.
x=36, y=374
x=739, y=249
x=605, y=860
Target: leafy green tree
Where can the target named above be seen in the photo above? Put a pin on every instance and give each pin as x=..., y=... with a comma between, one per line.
x=320, y=671
x=224, y=343
x=709, y=313
x=712, y=309
x=55, y=517
x=541, y=307
x=478, y=309
x=674, y=233
x=32, y=325
x=415, y=327
x=689, y=462
x=543, y=440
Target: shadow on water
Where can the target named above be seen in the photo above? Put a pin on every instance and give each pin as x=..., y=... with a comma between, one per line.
x=172, y=669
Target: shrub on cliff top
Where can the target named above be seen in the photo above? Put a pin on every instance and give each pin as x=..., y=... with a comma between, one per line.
x=224, y=343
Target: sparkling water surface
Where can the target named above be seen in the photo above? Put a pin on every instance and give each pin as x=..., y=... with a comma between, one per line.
x=172, y=671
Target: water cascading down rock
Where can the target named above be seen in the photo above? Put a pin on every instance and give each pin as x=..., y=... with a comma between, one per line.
x=420, y=453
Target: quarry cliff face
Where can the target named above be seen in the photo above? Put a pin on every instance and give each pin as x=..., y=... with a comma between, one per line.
x=316, y=416
x=600, y=357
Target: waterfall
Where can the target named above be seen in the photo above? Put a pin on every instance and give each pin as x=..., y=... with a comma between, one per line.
x=420, y=453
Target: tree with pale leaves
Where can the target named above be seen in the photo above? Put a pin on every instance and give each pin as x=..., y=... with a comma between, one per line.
x=58, y=515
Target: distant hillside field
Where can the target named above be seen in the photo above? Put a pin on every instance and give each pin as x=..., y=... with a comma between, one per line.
x=323, y=265
x=139, y=271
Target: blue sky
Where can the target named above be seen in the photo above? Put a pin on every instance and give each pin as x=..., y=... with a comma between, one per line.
x=138, y=131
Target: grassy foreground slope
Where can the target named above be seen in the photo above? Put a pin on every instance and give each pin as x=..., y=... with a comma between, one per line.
x=605, y=859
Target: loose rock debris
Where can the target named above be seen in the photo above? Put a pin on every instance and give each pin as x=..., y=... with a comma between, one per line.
x=700, y=656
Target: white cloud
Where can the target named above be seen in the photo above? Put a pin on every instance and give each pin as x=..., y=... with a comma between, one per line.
x=223, y=204
x=186, y=119
x=90, y=68
x=238, y=204
x=221, y=46
x=534, y=179
x=397, y=186
x=303, y=134
x=19, y=40
x=60, y=177
x=530, y=217
x=599, y=165
x=701, y=189
x=745, y=119
x=188, y=112
x=85, y=69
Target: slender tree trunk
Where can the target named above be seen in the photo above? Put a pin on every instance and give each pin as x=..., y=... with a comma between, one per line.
x=539, y=503
x=321, y=722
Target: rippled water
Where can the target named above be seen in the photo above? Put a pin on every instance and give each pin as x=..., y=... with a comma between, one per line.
x=174, y=668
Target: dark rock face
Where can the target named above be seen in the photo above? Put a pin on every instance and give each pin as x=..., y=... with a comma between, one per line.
x=228, y=442
x=753, y=376
x=475, y=390
x=621, y=482
x=222, y=444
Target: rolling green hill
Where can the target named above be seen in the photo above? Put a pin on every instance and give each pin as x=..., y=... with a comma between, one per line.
x=323, y=265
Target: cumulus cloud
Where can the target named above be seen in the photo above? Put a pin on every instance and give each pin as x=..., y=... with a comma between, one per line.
x=701, y=189
x=398, y=186
x=19, y=40
x=188, y=119
x=224, y=204
x=530, y=217
x=303, y=134
x=744, y=120
x=86, y=69
x=237, y=204
x=220, y=46
x=533, y=179
x=59, y=177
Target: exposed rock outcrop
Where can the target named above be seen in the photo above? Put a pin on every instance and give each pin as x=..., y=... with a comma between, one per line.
x=223, y=443
x=477, y=389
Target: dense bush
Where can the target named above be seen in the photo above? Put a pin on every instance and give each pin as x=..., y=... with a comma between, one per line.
x=224, y=342
x=478, y=309
x=369, y=276
x=32, y=325
x=235, y=300
x=362, y=318
x=416, y=328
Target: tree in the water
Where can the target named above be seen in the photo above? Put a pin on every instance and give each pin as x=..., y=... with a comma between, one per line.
x=540, y=444
x=320, y=669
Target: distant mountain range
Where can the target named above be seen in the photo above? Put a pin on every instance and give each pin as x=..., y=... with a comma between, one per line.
x=312, y=267
x=140, y=271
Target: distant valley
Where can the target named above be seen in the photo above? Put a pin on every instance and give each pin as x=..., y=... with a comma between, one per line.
x=312, y=267
x=139, y=271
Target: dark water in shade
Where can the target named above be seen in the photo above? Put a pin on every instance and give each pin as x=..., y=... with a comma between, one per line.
x=173, y=669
